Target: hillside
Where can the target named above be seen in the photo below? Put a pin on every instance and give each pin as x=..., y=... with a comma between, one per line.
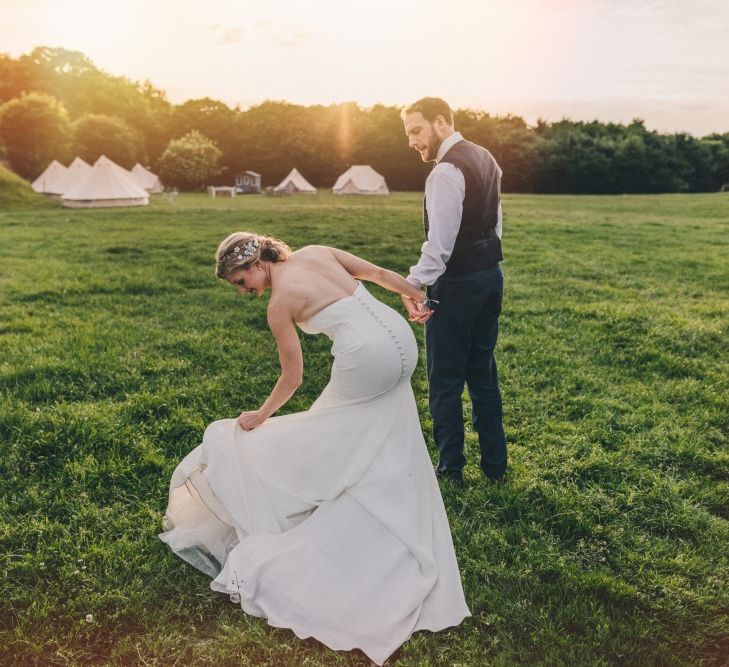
x=16, y=192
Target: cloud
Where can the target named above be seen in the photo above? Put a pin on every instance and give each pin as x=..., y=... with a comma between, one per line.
x=232, y=36
x=229, y=35
x=280, y=36
x=699, y=16
x=298, y=39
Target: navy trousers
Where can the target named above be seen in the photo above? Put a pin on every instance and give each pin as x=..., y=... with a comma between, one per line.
x=460, y=339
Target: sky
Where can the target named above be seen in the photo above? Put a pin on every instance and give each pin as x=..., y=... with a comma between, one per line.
x=665, y=61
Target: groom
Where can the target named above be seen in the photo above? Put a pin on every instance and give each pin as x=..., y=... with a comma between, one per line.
x=459, y=264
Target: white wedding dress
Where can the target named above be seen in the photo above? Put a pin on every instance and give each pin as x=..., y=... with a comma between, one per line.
x=329, y=522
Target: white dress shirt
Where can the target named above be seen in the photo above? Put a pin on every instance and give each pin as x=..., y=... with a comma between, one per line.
x=445, y=190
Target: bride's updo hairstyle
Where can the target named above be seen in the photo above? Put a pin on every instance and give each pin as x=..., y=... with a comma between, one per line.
x=243, y=249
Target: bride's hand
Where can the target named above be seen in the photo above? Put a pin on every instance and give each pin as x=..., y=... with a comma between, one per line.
x=416, y=310
x=249, y=420
x=424, y=313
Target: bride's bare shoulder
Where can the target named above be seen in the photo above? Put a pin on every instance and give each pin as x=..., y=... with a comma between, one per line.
x=312, y=252
x=316, y=259
x=282, y=305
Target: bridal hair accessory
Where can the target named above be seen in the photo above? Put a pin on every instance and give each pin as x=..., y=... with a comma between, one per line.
x=242, y=251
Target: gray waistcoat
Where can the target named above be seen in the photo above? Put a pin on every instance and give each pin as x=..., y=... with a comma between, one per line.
x=477, y=245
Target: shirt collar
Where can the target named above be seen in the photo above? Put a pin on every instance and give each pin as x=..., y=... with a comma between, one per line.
x=448, y=144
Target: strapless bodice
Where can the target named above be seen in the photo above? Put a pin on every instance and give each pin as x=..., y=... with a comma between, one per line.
x=373, y=346
x=336, y=313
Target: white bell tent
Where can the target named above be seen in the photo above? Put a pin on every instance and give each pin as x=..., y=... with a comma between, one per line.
x=148, y=180
x=49, y=182
x=106, y=184
x=294, y=183
x=360, y=179
x=75, y=173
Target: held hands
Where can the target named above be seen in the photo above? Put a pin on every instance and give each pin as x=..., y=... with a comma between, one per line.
x=417, y=310
x=249, y=420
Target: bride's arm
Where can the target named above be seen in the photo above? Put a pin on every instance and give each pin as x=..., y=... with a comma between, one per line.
x=413, y=299
x=292, y=367
x=364, y=270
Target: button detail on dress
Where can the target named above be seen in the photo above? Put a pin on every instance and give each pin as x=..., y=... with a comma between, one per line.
x=403, y=361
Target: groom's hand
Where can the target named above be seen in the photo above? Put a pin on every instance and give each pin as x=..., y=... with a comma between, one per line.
x=417, y=312
x=424, y=313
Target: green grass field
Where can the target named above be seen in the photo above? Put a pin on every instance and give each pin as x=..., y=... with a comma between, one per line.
x=608, y=546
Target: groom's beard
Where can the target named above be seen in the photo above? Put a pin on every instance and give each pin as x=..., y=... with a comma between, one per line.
x=433, y=146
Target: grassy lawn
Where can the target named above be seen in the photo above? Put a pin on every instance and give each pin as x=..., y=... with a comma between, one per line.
x=609, y=545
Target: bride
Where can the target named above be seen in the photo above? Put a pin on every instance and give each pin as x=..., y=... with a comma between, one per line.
x=330, y=521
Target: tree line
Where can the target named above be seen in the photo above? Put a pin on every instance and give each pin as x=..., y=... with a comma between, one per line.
x=55, y=104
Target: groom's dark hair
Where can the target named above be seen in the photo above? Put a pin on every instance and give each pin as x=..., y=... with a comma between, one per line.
x=431, y=108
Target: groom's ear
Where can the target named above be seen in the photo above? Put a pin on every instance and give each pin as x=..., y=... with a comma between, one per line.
x=441, y=122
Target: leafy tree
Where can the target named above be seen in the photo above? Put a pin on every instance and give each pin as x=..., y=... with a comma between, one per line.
x=718, y=148
x=381, y=142
x=209, y=117
x=15, y=79
x=190, y=162
x=35, y=129
x=273, y=137
x=215, y=120
x=322, y=141
x=73, y=79
x=696, y=161
x=96, y=134
x=508, y=138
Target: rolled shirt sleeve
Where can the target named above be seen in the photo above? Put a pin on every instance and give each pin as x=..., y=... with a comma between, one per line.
x=445, y=190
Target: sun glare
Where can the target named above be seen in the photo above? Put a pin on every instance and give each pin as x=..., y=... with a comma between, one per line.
x=557, y=58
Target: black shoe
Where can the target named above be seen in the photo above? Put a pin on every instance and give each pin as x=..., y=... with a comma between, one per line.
x=454, y=476
x=502, y=479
